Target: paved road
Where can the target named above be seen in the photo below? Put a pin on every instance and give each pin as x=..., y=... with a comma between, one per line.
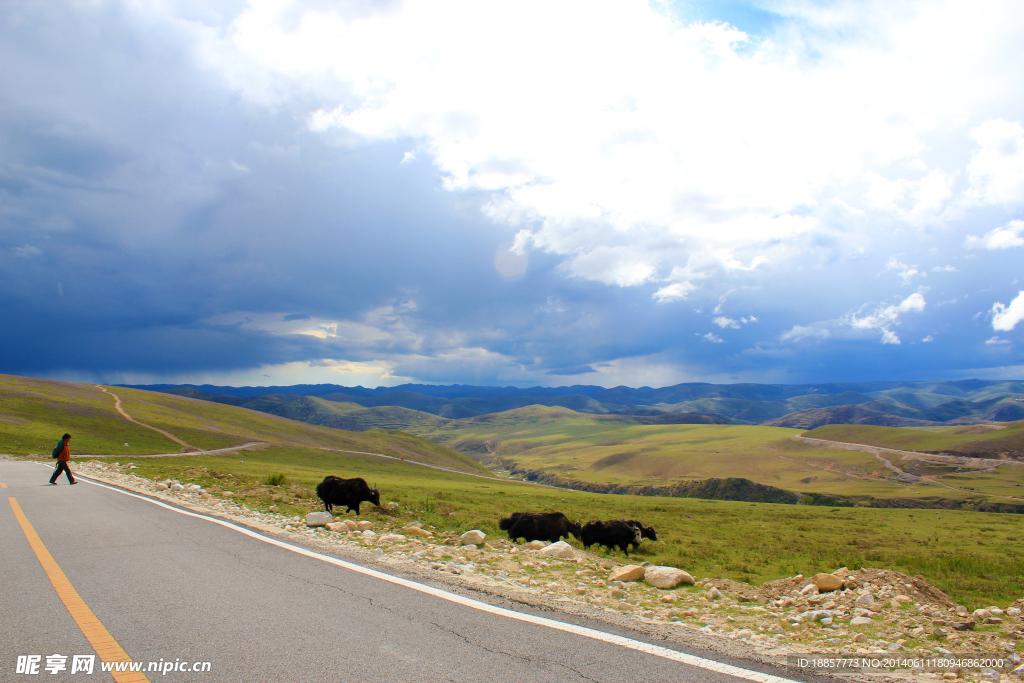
x=169, y=586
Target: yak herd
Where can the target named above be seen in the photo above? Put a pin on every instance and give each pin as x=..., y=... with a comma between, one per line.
x=532, y=526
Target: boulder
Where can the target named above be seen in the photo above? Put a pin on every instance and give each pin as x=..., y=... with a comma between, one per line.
x=630, y=572
x=827, y=582
x=364, y=525
x=808, y=589
x=666, y=577
x=474, y=537
x=981, y=615
x=319, y=519
x=865, y=600
x=337, y=526
x=536, y=545
x=714, y=593
x=560, y=549
x=861, y=621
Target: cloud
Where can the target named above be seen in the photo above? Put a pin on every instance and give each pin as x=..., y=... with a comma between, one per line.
x=928, y=339
x=997, y=341
x=265, y=188
x=27, y=252
x=673, y=292
x=885, y=318
x=801, y=332
x=596, y=148
x=906, y=273
x=1005, y=318
x=724, y=322
x=572, y=371
x=1006, y=237
x=996, y=171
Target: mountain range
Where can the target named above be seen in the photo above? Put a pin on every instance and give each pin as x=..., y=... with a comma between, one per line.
x=804, y=406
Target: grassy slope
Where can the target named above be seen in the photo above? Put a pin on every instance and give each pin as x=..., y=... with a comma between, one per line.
x=977, y=558
x=952, y=440
x=602, y=450
x=35, y=413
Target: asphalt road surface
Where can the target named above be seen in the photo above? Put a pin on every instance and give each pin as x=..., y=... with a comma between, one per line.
x=173, y=587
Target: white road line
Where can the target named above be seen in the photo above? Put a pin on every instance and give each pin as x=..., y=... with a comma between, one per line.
x=639, y=646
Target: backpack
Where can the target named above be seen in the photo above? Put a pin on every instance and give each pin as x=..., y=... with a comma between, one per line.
x=58, y=448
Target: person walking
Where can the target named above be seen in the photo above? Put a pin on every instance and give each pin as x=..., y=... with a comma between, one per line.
x=62, y=462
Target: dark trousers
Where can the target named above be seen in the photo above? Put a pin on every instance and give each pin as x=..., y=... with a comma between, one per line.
x=62, y=466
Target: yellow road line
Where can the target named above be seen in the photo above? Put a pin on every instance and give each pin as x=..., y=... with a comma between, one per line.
x=98, y=636
x=3, y=485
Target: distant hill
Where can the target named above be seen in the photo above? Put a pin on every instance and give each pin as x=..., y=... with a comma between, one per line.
x=805, y=406
x=980, y=441
x=846, y=415
x=35, y=412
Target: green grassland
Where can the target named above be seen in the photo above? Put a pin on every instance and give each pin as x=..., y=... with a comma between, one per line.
x=977, y=558
x=605, y=450
x=34, y=413
x=953, y=440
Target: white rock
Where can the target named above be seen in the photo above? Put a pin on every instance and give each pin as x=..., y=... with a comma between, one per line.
x=350, y=524
x=865, y=600
x=474, y=537
x=368, y=534
x=177, y=487
x=743, y=634
x=319, y=519
x=391, y=538
x=861, y=621
x=808, y=589
x=560, y=549
x=666, y=577
x=630, y=572
x=714, y=593
x=364, y=525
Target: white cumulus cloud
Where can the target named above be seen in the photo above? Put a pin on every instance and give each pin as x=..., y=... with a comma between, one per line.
x=1005, y=318
x=673, y=292
x=996, y=171
x=1006, y=237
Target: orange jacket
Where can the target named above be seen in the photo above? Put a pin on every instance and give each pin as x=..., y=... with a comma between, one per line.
x=65, y=455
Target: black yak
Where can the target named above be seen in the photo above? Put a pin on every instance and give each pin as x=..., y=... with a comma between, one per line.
x=645, y=531
x=613, y=533
x=348, y=492
x=539, y=526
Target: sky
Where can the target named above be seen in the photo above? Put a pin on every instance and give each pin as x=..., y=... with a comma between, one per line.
x=511, y=193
